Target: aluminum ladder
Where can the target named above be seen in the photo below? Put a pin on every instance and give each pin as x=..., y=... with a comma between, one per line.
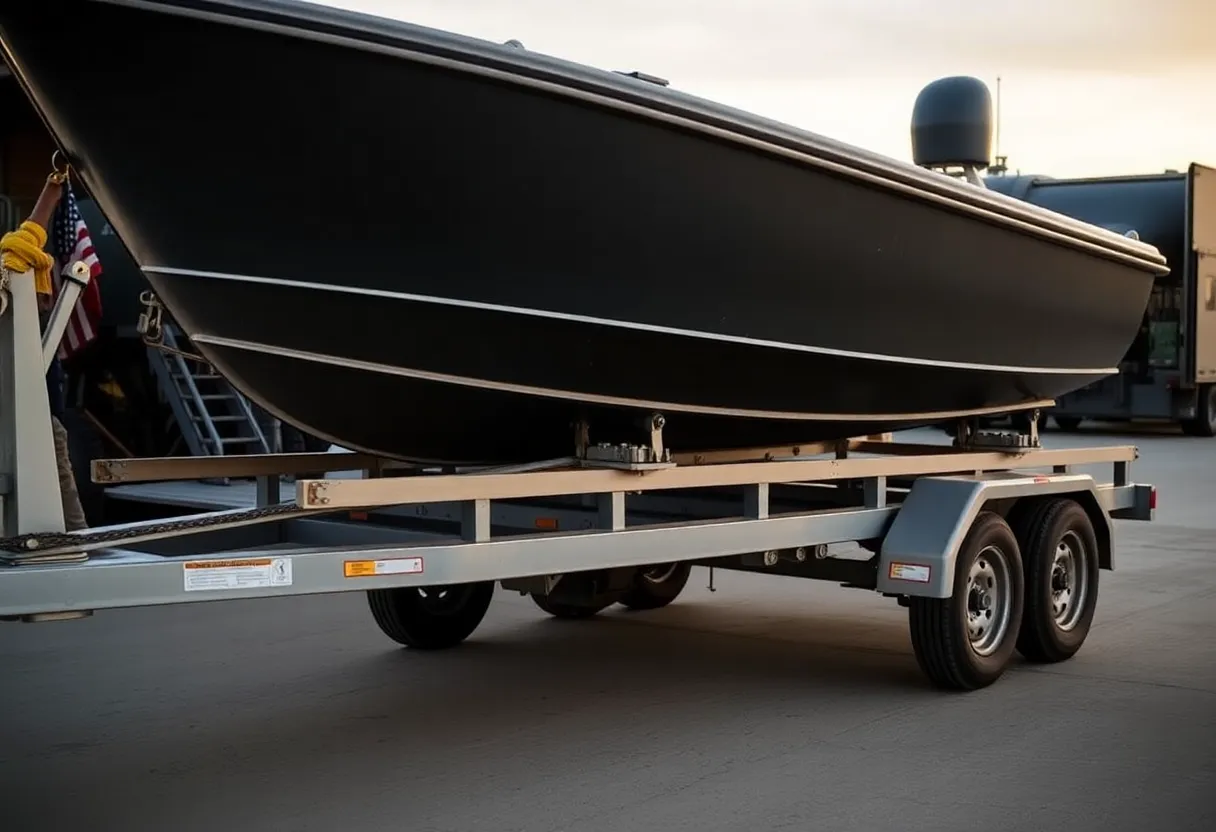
x=214, y=419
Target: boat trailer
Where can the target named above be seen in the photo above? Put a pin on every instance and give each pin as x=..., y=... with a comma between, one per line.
x=993, y=543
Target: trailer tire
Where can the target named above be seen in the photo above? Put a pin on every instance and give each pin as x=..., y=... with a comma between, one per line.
x=966, y=641
x=565, y=610
x=1060, y=562
x=1068, y=424
x=656, y=586
x=1204, y=423
x=433, y=617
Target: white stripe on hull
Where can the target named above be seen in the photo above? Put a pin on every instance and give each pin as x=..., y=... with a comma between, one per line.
x=590, y=398
x=169, y=271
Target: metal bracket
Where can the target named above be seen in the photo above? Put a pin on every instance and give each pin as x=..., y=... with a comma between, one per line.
x=644, y=76
x=623, y=456
x=969, y=436
x=657, y=422
x=1003, y=439
x=582, y=439
x=151, y=321
x=1035, y=416
x=626, y=456
x=77, y=279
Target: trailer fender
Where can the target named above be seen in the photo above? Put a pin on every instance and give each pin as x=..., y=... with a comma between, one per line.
x=918, y=554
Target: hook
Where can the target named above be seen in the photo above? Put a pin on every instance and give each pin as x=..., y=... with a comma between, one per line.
x=58, y=176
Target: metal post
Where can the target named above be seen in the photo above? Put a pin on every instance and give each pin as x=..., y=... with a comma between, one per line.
x=269, y=490
x=610, y=510
x=27, y=447
x=74, y=283
x=874, y=490
x=475, y=520
x=755, y=501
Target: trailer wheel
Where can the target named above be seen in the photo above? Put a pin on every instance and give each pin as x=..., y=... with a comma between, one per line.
x=1204, y=423
x=563, y=609
x=1060, y=560
x=965, y=642
x=433, y=617
x=657, y=586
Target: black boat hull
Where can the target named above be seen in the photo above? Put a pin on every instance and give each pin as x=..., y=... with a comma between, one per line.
x=432, y=390
x=423, y=420
x=391, y=216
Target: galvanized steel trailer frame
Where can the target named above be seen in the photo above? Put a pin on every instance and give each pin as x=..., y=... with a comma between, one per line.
x=575, y=534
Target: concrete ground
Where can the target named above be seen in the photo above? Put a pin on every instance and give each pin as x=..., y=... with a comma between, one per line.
x=769, y=704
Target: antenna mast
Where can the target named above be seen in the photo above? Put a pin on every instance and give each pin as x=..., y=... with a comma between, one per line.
x=1000, y=167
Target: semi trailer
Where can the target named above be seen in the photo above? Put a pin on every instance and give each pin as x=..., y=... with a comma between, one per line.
x=1169, y=370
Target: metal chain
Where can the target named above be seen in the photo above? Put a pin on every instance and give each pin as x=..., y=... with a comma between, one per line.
x=28, y=543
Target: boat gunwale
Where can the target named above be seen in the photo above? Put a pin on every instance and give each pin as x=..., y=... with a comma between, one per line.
x=647, y=100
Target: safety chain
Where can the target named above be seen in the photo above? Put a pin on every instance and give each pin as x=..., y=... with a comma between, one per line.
x=27, y=543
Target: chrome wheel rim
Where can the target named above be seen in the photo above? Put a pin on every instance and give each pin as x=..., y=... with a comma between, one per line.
x=1069, y=581
x=989, y=600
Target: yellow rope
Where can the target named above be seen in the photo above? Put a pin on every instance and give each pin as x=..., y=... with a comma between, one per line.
x=22, y=251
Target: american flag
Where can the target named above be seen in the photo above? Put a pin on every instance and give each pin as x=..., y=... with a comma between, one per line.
x=72, y=243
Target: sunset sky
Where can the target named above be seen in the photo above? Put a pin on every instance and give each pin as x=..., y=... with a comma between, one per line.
x=1088, y=86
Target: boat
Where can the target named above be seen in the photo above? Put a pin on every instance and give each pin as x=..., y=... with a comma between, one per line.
x=439, y=248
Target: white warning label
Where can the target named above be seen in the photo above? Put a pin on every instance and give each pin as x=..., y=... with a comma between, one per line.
x=909, y=572
x=242, y=573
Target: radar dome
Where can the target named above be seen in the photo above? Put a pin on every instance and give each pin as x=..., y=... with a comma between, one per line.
x=952, y=124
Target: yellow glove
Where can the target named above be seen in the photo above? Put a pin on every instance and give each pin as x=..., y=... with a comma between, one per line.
x=22, y=251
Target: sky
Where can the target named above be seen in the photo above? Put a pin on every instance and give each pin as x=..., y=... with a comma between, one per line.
x=1088, y=87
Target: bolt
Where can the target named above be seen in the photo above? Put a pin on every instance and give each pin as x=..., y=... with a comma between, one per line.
x=770, y=558
x=821, y=551
x=800, y=554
